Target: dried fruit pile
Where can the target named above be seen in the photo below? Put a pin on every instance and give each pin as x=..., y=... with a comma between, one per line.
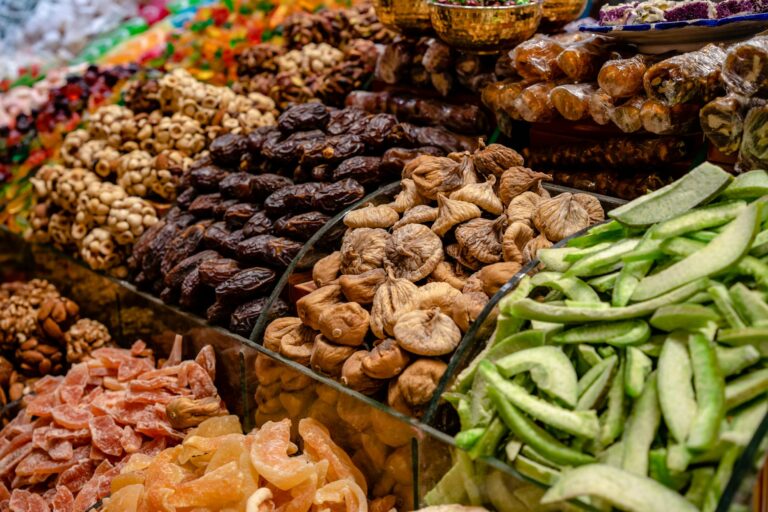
x=217, y=467
x=77, y=433
x=104, y=194
x=248, y=207
x=412, y=275
x=41, y=333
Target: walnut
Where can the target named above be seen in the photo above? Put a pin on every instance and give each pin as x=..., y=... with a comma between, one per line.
x=495, y=159
x=467, y=308
x=371, y=217
x=413, y=252
x=560, y=217
x=444, y=272
x=436, y=175
x=452, y=212
x=311, y=306
x=386, y=360
x=353, y=376
x=514, y=240
x=427, y=333
x=482, y=195
x=517, y=180
x=345, y=324
x=328, y=358
x=361, y=288
x=495, y=276
x=531, y=249
x=419, y=381
x=437, y=295
x=523, y=207
x=185, y=412
x=394, y=297
x=593, y=207
x=408, y=197
x=326, y=270
x=278, y=328
x=363, y=249
x=481, y=239
x=420, y=214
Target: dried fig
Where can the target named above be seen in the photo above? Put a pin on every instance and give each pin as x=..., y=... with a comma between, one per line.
x=419, y=381
x=531, y=249
x=326, y=270
x=437, y=295
x=397, y=402
x=297, y=343
x=468, y=174
x=481, y=239
x=371, y=217
x=465, y=260
x=420, y=214
x=413, y=164
x=413, y=251
x=312, y=305
x=514, y=241
x=593, y=207
x=522, y=208
x=445, y=273
x=328, y=358
x=393, y=298
x=560, y=216
x=408, y=197
x=186, y=412
x=386, y=360
x=495, y=159
x=361, y=288
x=277, y=329
x=345, y=324
x=482, y=195
x=452, y=212
x=353, y=376
x=495, y=276
x=427, y=333
x=516, y=180
x=474, y=284
x=436, y=175
x=363, y=249
x=467, y=308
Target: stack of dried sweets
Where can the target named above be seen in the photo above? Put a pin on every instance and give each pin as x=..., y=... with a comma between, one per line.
x=337, y=27
x=248, y=207
x=631, y=371
x=115, y=175
x=391, y=305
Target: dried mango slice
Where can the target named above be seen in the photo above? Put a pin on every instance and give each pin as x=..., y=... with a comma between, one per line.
x=343, y=496
x=126, y=499
x=319, y=446
x=269, y=455
x=218, y=488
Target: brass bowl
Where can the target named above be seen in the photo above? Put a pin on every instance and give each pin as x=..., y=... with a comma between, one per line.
x=485, y=30
x=410, y=17
x=558, y=13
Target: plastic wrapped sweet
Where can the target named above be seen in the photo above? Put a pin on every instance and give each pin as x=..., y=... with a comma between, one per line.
x=745, y=71
x=581, y=61
x=722, y=121
x=537, y=58
x=534, y=105
x=572, y=100
x=627, y=115
x=693, y=76
x=501, y=96
x=600, y=107
x=623, y=78
x=753, y=153
x=660, y=118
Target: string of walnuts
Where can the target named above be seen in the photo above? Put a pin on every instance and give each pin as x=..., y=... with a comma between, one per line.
x=393, y=303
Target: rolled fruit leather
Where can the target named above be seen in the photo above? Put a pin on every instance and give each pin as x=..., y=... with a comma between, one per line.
x=722, y=121
x=745, y=71
x=661, y=119
x=689, y=77
x=753, y=153
x=581, y=61
x=537, y=58
x=534, y=105
x=623, y=78
x=600, y=107
x=572, y=100
x=627, y=115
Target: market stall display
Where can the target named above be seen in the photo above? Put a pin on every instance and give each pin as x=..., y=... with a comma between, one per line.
x=650, y=319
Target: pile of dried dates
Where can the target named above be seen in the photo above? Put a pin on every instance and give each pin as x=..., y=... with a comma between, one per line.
x=392, y=304
x=245, y=210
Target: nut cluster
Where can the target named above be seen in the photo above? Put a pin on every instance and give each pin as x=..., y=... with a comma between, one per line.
x=412, y=275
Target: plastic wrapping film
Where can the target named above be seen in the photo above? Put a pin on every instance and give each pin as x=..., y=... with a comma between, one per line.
x=501, y=96
x=722, y=121
x=600, y=107
x=533, y=103
x=693, y=76
x=753, y=153
x=623, y=78
x=627, y=115
x=537, y=58
x=621, y=185
x=659, y=118
x=572, y=100
x=581, y=61
x=745, y=71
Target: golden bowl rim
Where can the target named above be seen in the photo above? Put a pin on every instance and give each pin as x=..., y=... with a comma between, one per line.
x=531, y=3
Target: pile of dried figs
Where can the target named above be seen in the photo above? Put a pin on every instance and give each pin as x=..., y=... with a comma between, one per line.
x=392, y=304
x=245, y=210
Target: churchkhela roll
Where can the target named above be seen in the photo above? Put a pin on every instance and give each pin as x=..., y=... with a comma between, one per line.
x=745, y=71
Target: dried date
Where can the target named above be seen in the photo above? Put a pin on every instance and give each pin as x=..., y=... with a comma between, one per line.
x=244, y=318
x=237, y=215
x=341, y=120
x=215, y=272
x=207, y=177
x=204, y=205
x=334, y=197
x=177, y=274
x=238, y=185
x=245, y=284
x=141, y=247
x=259, y=224
x=381, y=130
x=183, y=246
x=184, y=199
x=446, y=140
x=289, y=150
x=322, y=172
x=159, y=244
x=194, y=294
x=294, y=198
x=394, y=159
x=365, y=169
x=268, y=249
x=301, y=227
x=219, y=313
x=216, y=235
x=260, y=136
x=305, y=116
x=333, y=149
x=266, y=184
x=223, y=206
x=228, y=148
